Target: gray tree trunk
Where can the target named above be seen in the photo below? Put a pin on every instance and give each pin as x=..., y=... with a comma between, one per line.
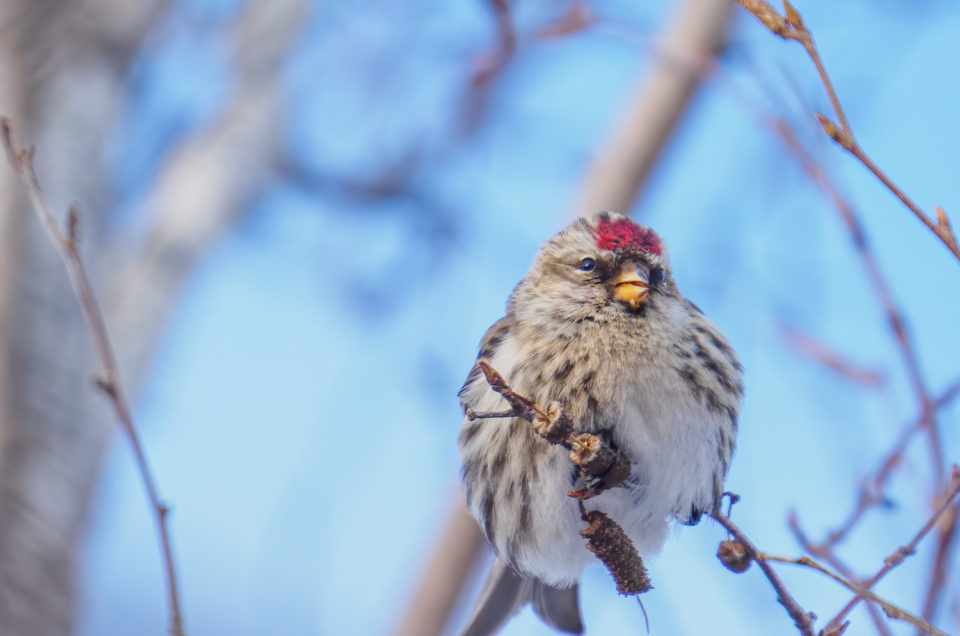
x=63, y=67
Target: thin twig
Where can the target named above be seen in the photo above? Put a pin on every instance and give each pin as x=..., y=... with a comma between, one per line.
x=827, y=553
x=791, y=27
x=941, y=227
x=871, y=495
x=897, y=557
x=599, y=464
x=848, y=215
x=928, y=407
x=109, y=380
x=946, y=532
x=891, y=610
x=871, y=491
x=801, y=618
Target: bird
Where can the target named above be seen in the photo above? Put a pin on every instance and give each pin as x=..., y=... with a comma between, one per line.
x=599, y=325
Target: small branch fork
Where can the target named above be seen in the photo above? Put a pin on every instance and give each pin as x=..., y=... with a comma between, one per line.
x=738, y=552
x=65, y=241
x=790, y=26
x=830, y=557
x=946, y=510
x=600, y=465
x=890, y=609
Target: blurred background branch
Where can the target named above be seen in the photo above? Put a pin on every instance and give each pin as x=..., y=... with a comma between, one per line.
x=682, y=56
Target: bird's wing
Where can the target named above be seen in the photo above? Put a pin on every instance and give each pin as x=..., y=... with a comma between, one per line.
x=506, y=592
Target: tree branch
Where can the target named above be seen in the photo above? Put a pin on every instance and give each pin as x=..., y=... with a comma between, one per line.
x=801, y=618
x=889, y=608
x=109, y=380
x=898, y=556
x=827, y=554
x=791, y=27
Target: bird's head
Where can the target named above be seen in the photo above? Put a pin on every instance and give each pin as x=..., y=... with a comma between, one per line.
x=598, y=267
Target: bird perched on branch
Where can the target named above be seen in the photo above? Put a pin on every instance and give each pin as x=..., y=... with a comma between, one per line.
x=599, y=325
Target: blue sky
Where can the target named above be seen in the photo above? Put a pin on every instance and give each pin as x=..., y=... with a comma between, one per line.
x=301, y=411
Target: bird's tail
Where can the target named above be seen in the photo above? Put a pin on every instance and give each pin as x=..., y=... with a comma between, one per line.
x=506, y=592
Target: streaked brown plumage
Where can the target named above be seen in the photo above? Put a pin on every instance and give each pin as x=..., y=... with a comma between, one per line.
x=598, y=324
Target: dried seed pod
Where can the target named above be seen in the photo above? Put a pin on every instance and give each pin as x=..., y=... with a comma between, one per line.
x=734, y=556
x=557, y=426
x=606, y=539
x=591, y=454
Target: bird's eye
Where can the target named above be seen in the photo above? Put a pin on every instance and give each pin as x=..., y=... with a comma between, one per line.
x=587, y=265
x=657, y=275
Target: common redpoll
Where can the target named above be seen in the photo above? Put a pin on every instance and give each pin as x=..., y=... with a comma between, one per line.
x=599, y=325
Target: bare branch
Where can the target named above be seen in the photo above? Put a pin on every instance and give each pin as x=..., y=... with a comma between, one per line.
x=791, y=27
x=940, y=227
x=897, y=557
x=871, y=491
x=827, y=553
x=801, y=618
x=891, y=610
x=109, y=382
x=600, y=464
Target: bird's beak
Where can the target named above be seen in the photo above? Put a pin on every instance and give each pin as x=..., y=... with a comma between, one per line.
x=631, y=287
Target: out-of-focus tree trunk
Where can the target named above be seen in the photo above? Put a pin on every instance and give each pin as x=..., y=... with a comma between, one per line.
x=682, y=56
x=62, y=66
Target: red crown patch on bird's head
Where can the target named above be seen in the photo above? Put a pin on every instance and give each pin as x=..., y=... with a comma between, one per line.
x=624, y=234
